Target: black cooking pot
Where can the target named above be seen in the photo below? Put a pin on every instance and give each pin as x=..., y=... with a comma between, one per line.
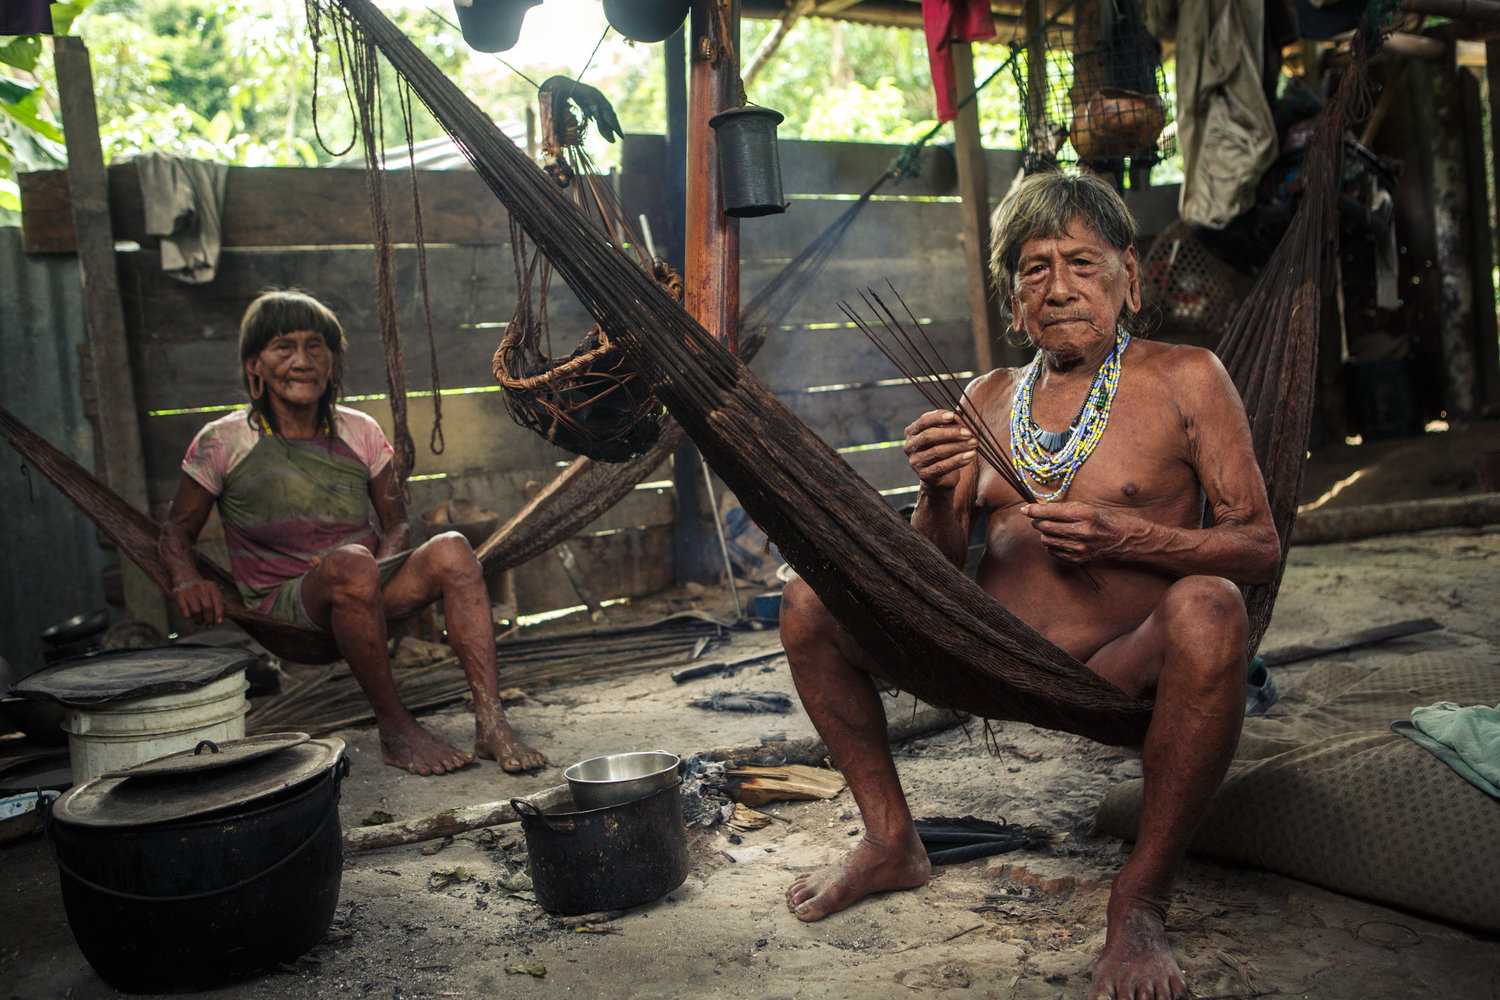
x=78, y=627
x=178, y=879
x=603, y=859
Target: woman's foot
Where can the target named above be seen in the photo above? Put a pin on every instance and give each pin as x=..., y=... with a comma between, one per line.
x=499, y=743
x=414, y=749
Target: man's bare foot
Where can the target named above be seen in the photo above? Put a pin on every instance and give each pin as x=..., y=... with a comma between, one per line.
x=867, y=869
x=414, y=749
x=1137, y=963
x=503, y=746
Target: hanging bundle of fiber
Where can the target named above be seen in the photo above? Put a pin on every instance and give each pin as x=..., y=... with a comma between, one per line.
x=955, y=646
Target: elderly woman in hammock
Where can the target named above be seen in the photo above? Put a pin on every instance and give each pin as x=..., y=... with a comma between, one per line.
x=295, y=477
x=1122, y=444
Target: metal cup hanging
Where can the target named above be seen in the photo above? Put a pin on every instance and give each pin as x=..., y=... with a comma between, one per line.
x=749, y=164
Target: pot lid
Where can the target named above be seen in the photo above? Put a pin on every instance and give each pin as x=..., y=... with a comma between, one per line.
x=143, y=799
x=209, y=756
x=134, y=673
x=52, y=769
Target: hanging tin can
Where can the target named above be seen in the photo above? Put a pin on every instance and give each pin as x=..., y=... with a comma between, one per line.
x=749, y=163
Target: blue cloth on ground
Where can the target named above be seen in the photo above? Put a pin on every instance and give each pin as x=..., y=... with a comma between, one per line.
x=1466, y=738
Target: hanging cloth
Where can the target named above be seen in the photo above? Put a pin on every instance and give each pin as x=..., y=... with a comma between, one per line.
x=946, y=22
x=1224, y=124
x=184, y=203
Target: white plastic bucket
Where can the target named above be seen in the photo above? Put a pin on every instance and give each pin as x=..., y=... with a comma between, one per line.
x=119, y=733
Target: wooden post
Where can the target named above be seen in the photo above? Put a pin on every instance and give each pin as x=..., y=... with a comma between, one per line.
x=674, y=68
x=713, y=238
x=1035, y=18
x=712, y=260
x=1490, y=357
x=693, y=555
x=973, y=187
x=116, y=420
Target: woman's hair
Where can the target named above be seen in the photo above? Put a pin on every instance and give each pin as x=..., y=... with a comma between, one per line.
x=1044, y=206
x=282, y=311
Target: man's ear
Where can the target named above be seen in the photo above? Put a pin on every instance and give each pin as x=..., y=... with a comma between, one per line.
x=1016, y=323
x=1133, y=278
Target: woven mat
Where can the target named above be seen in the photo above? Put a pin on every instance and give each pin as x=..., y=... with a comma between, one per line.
x=1326, y=793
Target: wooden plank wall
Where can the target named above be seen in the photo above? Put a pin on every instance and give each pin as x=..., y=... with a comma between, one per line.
x=310, y=228
x=818, y=363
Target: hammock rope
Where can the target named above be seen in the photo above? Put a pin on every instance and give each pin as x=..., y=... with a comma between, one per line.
x=954, y=646
x=1270, y=346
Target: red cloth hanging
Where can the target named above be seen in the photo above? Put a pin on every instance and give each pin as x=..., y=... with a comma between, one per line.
x=26, y=17
x=946, y=22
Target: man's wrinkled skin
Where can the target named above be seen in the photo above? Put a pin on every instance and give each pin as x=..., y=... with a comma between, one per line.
x=1162, y=616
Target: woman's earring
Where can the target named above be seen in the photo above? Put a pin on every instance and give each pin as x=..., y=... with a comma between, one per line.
x=257, y=385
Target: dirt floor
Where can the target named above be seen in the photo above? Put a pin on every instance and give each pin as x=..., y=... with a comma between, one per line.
x=1019, y=926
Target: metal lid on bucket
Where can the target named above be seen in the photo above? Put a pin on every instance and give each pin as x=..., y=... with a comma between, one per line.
x=171, y=788
x=134, y=673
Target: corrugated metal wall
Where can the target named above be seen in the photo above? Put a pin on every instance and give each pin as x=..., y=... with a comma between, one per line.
x=50, y=552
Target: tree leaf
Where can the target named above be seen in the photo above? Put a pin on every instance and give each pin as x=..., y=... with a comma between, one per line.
x=24, y=112
x=14, y=91
x=64, y=14
x=22, y=52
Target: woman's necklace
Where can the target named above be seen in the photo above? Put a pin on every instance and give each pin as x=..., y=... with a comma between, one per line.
x=1056, y=456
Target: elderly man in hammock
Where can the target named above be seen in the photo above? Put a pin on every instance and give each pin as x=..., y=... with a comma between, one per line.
x=1122, y=442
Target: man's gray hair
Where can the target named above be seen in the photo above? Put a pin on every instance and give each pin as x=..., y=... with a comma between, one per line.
x=1043, y=207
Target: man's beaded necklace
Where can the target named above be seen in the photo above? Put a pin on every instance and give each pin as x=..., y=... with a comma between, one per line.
x=1053, y=456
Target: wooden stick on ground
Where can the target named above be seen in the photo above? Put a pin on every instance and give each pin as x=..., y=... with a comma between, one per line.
x=1342, y=524
x=463, y=819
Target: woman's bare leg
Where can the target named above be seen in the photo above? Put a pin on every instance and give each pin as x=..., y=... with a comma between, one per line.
x=342, y=595
x=444, y=567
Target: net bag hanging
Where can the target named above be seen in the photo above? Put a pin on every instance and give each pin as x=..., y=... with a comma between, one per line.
x=592, y=401
x=1191, y=289
x=1093, y=92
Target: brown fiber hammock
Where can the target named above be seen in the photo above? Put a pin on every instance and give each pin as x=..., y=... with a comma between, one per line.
x=947, y=641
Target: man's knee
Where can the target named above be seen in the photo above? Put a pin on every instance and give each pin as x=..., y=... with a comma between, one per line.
x=805, y=622
x=1207, y=612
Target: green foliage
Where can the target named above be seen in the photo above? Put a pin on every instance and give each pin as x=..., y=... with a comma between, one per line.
x=227, y=80
x=238, y=81
x=834, y=80
x=22, y=52
x=233, y=80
